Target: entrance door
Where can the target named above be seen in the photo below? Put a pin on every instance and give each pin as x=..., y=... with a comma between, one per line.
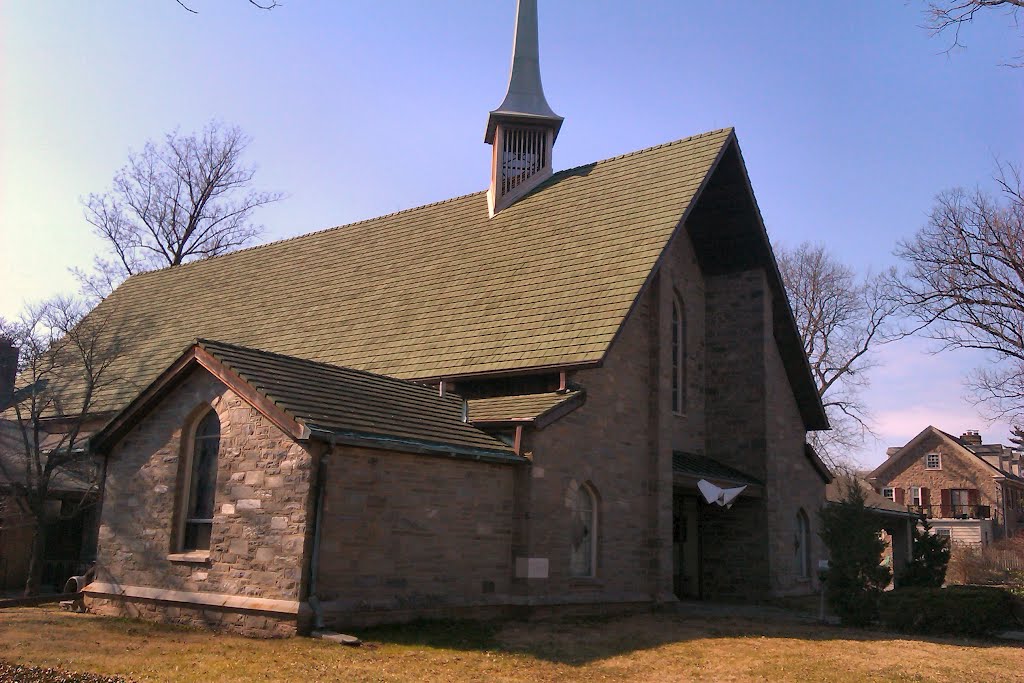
x=685, y=546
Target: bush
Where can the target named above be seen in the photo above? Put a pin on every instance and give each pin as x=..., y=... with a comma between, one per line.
x=957, y=610
x=855, y=578
x=928, y=565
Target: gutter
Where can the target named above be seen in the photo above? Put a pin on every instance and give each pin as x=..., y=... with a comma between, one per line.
x=414, y=446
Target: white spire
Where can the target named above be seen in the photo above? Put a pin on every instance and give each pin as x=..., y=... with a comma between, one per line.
x=524, y=99
x=523, y=128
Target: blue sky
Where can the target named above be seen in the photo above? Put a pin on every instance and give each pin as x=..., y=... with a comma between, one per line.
x=849, y=116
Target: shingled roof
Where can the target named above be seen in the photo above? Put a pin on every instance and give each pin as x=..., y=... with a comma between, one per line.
x=441, y=290
x=522, y=408
x=329, y=402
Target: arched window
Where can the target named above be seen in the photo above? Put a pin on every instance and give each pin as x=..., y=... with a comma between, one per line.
x=201, y=484
x=678, y=355
x=802, y=544
x=583, y=558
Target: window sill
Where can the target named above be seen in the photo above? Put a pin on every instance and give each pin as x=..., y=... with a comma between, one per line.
x=195, y=557
x=585, y=582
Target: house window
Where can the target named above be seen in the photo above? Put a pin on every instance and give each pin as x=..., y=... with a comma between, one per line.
x=915, y=496
x=887, y=492
x=932, y=461
x=802, y=546
x=201, y=484
x=944, y=532
x=960, y=502
x=583, y=532
x=678, y=355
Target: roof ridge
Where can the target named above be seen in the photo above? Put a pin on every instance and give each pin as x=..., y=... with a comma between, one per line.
x=564, y=171
x=367, y=373
x=643, y=150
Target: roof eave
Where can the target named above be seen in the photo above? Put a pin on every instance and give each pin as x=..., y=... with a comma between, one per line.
x=193, y=356
x=408, y=445
x=554, y=122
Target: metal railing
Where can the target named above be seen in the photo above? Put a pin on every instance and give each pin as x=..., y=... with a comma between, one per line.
x=954, y=511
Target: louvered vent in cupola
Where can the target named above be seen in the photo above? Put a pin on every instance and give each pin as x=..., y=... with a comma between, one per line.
x=525, y=153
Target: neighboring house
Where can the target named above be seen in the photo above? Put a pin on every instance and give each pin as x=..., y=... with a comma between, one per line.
x=71, y=512
x=970, y=491
x=496, y=402
x=70, y=533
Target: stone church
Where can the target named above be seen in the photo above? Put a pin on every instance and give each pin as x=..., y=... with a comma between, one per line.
x=495, y=404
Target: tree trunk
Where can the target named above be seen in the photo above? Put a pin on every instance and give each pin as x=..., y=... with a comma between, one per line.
x=35, y=561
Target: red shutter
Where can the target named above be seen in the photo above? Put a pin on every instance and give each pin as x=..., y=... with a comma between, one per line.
x=946, y=508
x=900, y=496
x=972, y=497
x=925, y=501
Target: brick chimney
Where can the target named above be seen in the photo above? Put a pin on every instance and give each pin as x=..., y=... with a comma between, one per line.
x=971, y=438
x=8, y=370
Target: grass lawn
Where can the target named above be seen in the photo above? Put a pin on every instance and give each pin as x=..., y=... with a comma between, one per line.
x=648, y=647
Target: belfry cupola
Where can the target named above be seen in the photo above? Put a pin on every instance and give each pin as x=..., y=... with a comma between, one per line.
x=522, y=130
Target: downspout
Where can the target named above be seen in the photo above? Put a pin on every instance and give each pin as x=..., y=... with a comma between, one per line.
x=1002, y=503
x=314, y=570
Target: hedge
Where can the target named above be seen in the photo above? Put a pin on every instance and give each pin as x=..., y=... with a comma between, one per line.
x=956, y=610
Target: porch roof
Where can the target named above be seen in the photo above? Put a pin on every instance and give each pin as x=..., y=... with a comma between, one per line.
x=702, y=467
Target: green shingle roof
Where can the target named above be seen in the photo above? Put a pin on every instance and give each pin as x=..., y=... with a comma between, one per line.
x=525, y=407
x=440, y=290
x=337, y=400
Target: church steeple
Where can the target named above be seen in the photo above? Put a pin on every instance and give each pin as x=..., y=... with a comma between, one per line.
x=522, y=130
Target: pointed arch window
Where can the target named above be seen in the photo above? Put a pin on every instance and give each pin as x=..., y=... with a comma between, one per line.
x=802, y=545
x=201, y=485
x=678, y=355
x=583, y=557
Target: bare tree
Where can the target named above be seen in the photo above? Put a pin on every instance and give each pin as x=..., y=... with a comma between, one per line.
x=949, y=17
x=64, y=362
x=185, y=199
x=965, y=283
x=842, y=319
x=268, y=5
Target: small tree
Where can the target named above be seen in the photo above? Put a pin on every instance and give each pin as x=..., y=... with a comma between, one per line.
x=185, y=199
x=928, y=565
x=64, y=363
x=855, y=577
x=1017, y=437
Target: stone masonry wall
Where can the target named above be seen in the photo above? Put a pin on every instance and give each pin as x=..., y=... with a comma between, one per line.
x=736, y=409
x=792, y=482
x=733, y=566
x=605, y=444
x=259, y=539
x=683, y=273
x=412, y=533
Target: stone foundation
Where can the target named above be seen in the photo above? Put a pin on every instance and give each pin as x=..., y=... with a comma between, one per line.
x=249, y=623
